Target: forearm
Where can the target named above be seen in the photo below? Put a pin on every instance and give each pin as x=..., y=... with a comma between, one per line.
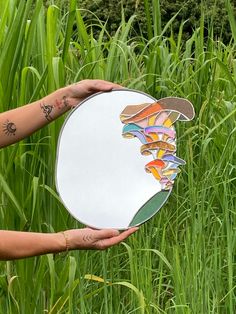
x=16, y=245
x=21, y=122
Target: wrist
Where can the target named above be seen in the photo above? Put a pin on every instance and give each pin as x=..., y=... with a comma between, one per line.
x=57, y=102
x=69, y=95
x=67, y=247
x=57, y=241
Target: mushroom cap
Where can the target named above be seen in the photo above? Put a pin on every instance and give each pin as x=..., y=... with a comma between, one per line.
x=138, y=112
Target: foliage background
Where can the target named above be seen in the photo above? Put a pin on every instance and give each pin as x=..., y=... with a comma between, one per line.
x=182, y=260
x=189, y=11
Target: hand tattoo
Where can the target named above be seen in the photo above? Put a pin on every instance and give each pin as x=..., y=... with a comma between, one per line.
x=47, y=110
x=9, y=128
x=63, y=103
x=87, y=238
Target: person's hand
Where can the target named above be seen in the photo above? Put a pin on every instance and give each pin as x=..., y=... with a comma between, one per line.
x=88, y=238
x=78, y=92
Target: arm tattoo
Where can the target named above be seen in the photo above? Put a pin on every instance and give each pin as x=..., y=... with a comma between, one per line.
x=47, y=110
x=9, y=128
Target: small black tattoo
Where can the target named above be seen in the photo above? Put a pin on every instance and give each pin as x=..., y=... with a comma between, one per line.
x=65, y=101
x=87, y=238
x=9, y=128
x=47, y=110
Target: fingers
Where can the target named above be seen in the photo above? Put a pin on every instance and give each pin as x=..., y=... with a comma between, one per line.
x=80, y=91
x=97, y=85
x=100, y=85
x=113, y=237
x=88, y=238
x=106, y=233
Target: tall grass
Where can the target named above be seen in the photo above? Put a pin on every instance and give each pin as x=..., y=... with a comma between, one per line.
x=183, y=259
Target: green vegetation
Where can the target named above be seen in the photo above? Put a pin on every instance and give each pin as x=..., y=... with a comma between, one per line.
x=190, y=11
x=182, y=260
